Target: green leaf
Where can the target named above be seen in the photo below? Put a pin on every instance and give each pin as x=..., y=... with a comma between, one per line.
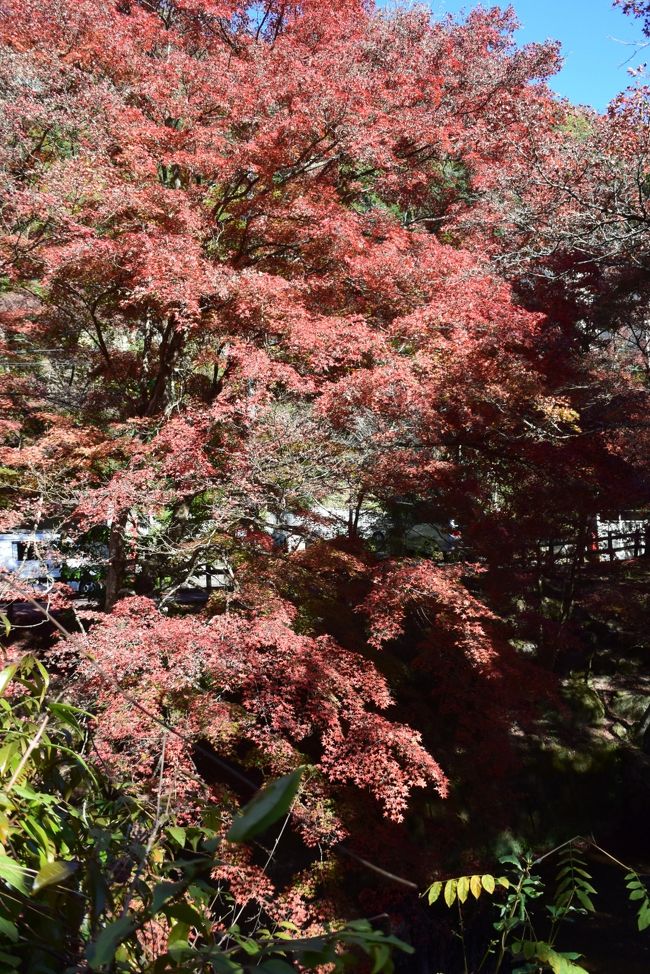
x=178, y=834
x=250, y=946
x=5, y=621
x=315, y=959
x=7, y=753
x=45, y=676
x=586, y=902
x=312, y=944
x=434, y=892
x=52, y=873
x=212, y=818
x=450, y=891
x=275, y=966
x=8, y=930
x=638, y=894
x=6, y=676
x=582, y=872
x=566, y=883
x=163, y=893
x=13, y=873
x=221, y=963
x=270, y=804
x=187, y=914
x=530, y=949
x=10, y=960
x=559, y=963
x=643, y=920
x=587, y=887
x=97, y=887
x=562, y=965
x=178, y=933
x=39, y=835
x=68, y=712
x=488, y=883
x=101, y=952
x=381, y=954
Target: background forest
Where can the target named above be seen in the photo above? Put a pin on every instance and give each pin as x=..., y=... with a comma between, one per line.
x=285, y=284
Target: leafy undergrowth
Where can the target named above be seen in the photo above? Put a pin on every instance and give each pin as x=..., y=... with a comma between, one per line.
x=93, y=878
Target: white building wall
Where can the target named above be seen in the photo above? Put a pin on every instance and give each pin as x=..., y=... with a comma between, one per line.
x=28, y=568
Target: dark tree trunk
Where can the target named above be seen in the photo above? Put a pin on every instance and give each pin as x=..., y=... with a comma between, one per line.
x=116, y=561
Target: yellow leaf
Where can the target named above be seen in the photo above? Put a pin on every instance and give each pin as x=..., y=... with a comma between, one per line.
x=475, y=885
x=450, y=891
x=488, y=883
x=434, y=892
x=463, y=888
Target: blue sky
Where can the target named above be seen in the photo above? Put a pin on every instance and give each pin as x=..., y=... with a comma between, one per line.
x=589, y=31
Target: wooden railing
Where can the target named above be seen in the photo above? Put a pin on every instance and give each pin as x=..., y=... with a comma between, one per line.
x=609, y=547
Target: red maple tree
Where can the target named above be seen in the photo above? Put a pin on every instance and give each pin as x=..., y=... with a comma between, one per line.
x=262, y=260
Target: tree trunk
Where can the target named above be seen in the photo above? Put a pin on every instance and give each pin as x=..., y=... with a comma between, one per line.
x=116, y=561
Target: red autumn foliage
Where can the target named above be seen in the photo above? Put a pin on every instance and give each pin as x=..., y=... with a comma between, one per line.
x=260, y=261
